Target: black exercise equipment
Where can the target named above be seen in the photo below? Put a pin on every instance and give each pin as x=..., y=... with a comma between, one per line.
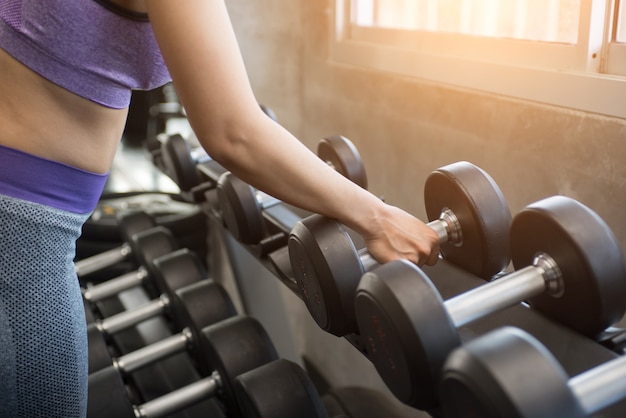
x=146, y=246
x=129, y=224
x=472, y=222
x=509, y=373
x=179, y=160
x=244, y=208
x=342, y=155
x=188, y=297
x=570, y=268
x=280, y=389
x=222, y=351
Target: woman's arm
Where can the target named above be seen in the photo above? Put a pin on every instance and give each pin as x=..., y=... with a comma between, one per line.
x=201, y=51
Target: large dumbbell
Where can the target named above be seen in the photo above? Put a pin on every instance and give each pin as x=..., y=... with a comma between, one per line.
x=146, y=246
x=570, y=268
x=222, y=352
x=243, y=207
x=280, y=389
x=472, y=222
x=129, y=224
x=188, y=297
x=509, y=373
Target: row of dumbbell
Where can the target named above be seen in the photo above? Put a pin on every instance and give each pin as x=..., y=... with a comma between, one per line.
x=223, y=344
x=576, y=277
x=569, y=266
x=571, y=273
x=167, y=271
x=509, y=373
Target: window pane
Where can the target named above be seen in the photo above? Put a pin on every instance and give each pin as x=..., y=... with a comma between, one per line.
x=542, y=20
x=621, y=23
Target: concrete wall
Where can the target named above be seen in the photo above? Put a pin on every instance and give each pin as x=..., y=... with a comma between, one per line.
x=405, y=128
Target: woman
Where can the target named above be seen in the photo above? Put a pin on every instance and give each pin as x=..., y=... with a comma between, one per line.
x=67, y=68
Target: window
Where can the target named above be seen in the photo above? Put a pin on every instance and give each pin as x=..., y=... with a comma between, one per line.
x=565, y=52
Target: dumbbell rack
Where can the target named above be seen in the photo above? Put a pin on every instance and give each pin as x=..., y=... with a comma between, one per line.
x=575, y=352
x=258, y=276
x=178, y=370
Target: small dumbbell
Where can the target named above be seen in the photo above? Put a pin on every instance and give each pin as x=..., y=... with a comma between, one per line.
x=180, y=160
x=222, y=352
x=509, y=373
x=129, y=224
x=570, y=268
x=280, y=389
x=188, y=297
x=472, y=223
x=147, y=246
x=243, y=207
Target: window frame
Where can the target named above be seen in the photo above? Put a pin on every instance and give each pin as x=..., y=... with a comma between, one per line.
x=571, y=76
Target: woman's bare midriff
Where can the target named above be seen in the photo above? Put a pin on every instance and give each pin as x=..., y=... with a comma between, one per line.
x=43, y=119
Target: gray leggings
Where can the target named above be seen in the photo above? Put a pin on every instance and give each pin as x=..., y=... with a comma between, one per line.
x=43, y=342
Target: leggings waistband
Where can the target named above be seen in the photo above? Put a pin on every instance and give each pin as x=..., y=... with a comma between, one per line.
x=39, y=180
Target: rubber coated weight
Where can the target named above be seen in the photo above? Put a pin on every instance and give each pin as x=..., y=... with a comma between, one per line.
x=507, y=373
x=481, y=209
x=404, y=321
x=588, y=256
x=146, y=247
x=242, y=205
x=280, y=389
x=130, y=223
x=241, y=209
x=184, y=307
x=328, y=267
x=406, y=330
x=180, y=160
x=327, y=270
x=172, y=273
x=176, y=270
x=341, y=154
x=227, y=349
x=179, y=163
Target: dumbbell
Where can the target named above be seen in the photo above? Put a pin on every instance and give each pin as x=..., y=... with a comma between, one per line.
x=146, y=246
x=280, y=389
x=129, y=224
x=509, y=373
x=222, y=352
x=180, y=160
x=569, y=267
x=466, y=209
x=243, y=207
x=188, y=297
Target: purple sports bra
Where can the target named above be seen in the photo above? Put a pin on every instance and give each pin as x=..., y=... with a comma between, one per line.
x=90, y=47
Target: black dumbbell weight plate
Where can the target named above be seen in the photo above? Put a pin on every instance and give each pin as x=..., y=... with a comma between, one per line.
x=406, y=330
x=588, y=256
x=180, y=166
x=111, y=399
x=233, y=347
x=278, y=389
x=240, y=209
x=342, y=155
x=484, y=382
x=483, y=215
x=201, y=304
x=176, y=270
x=323, y=249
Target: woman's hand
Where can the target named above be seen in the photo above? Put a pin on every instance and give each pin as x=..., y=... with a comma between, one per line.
x=396, y=234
